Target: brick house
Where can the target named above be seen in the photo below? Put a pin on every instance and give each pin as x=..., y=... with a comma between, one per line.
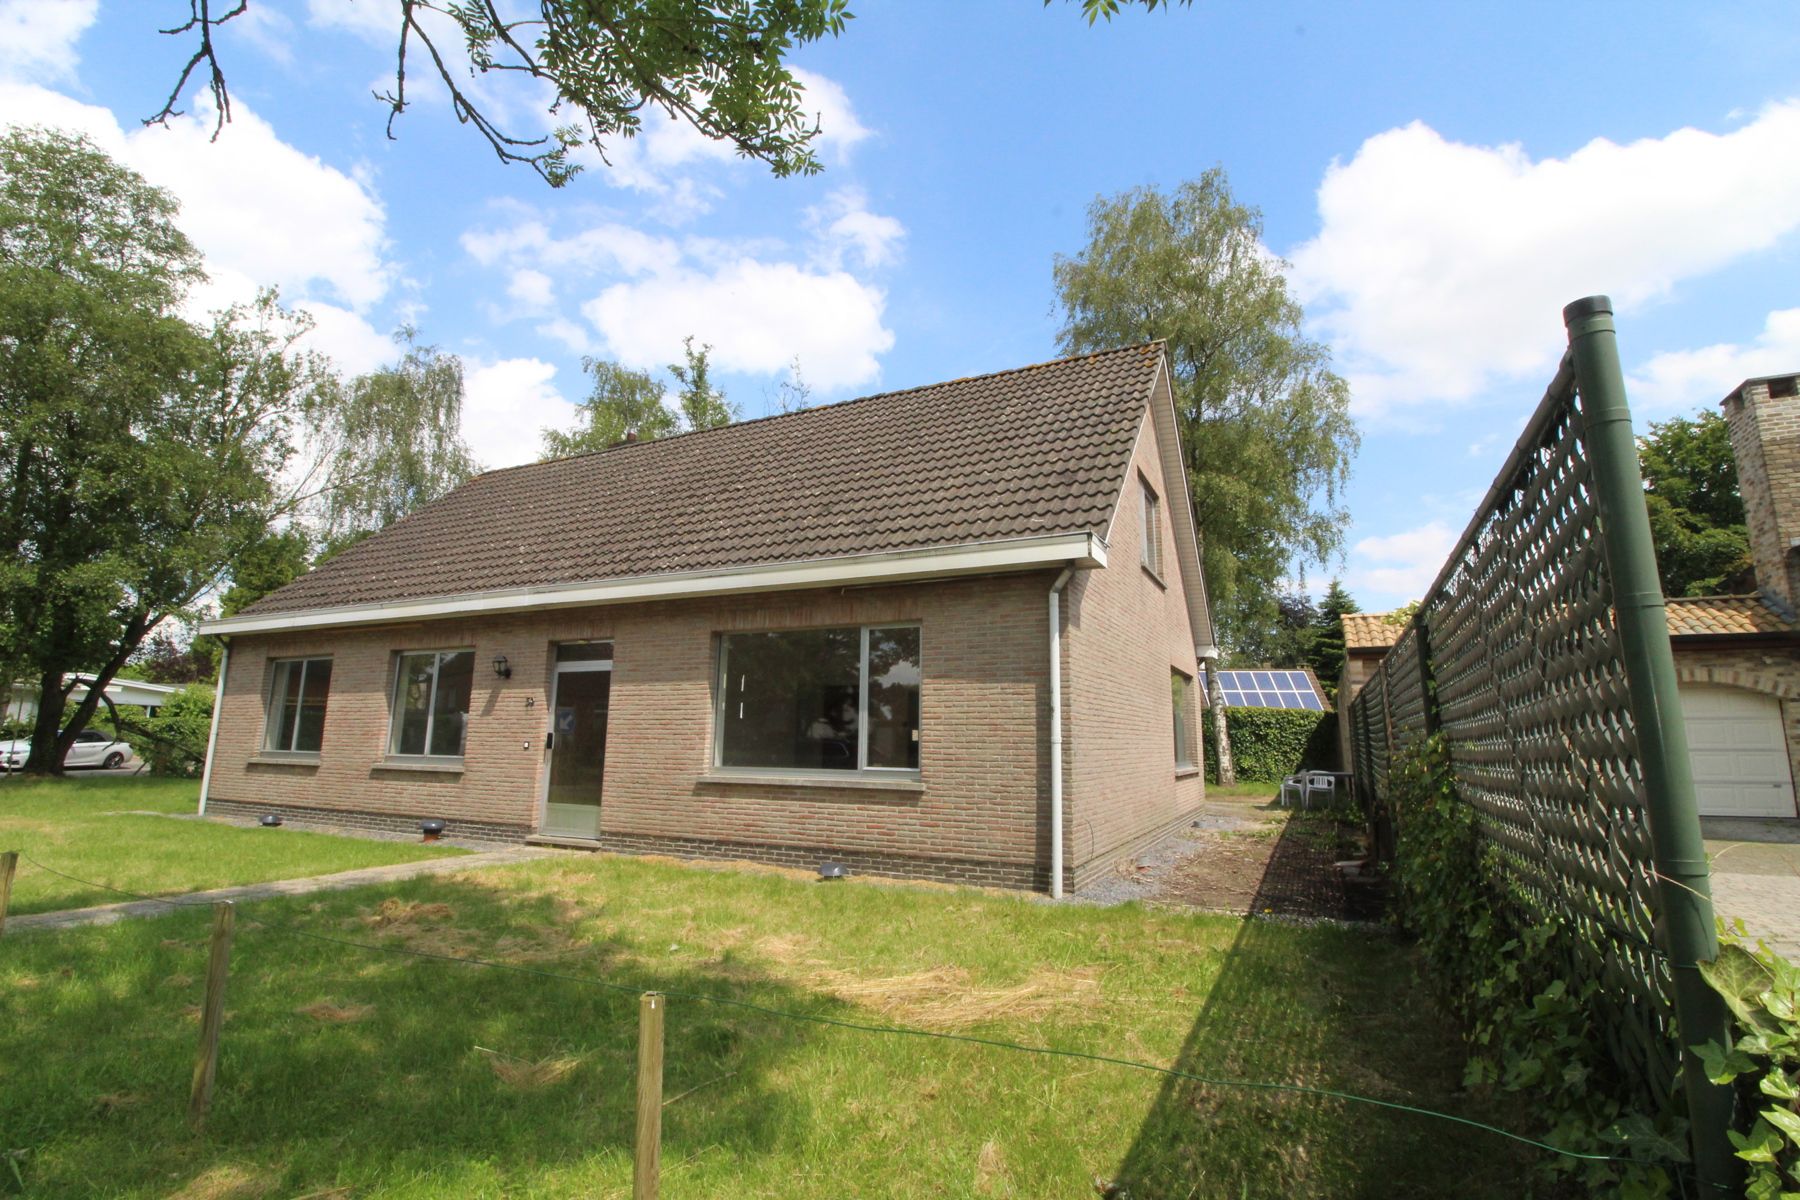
x=949, y=632
x=1737, y=657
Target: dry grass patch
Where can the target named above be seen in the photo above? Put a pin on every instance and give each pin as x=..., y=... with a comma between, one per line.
x=945, y=998
x=398, y=914
x=525, y=1074
x=990, y=1171
x=327, y=1013
x=226, y=1183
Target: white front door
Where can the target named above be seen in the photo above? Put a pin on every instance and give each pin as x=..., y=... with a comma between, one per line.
x=1739, y=752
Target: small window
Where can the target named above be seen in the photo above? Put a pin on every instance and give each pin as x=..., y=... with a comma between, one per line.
x=1181, y=690
x=820, y=700
x=297, y=705
x=431, y=702
x=1152, y=549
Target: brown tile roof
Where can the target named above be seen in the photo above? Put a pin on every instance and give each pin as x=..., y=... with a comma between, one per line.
x=1716, y=616
x=1370, y=631
x=1030, y=452
x=1688, y=616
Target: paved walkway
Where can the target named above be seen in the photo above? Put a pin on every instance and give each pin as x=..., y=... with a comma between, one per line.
x=107, y=914
x=1759, y=881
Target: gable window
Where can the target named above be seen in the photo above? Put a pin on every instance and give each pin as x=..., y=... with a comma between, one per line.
x=820, y=699
x=1152, y=511
x=297, y=705
x=1181, y=690
x=431, y=702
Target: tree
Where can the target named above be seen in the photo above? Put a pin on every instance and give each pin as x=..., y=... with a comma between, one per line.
x=392, y=442
x=718, y=65
x=1265, y=422
x=1696, y=512
x=620, y=402
x=139, y=450
x=1285, y=642
x=1326, y=654
x=702, y=405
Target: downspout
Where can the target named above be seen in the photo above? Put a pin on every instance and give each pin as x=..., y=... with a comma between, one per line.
x=212, y=737
x=1056, y=738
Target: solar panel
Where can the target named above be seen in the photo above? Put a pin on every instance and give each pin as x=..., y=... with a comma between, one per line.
x=1269, y=689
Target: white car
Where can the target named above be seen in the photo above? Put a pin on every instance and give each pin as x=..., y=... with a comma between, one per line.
x=91, y=749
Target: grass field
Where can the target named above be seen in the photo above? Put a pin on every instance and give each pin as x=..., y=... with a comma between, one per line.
x=351, y=1072
x=108, y=828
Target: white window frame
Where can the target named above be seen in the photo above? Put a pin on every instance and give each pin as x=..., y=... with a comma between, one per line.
x=1150, y=510
x=863, y=770
x=399, y=710
x=272, y=713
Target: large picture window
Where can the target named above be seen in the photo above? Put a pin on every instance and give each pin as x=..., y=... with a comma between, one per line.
x=820, y=699
x=431, y=702
x=297, y=705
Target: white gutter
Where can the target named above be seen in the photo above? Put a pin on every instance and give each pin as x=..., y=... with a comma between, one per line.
x=212, y=737
x=1056, y=738
x=1084, y=548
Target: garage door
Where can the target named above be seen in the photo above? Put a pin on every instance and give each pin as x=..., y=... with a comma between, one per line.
x=1739, y=753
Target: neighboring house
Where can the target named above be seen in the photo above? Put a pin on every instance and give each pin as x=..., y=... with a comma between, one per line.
x=22, y=700
x=1737, y=657
x=860, y=632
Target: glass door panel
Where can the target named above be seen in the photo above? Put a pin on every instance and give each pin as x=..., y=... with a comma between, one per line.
x=577, y=753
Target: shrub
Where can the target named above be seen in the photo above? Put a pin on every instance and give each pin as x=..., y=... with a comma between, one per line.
x=1763, y=992
x=1503, y=967
x=1269, y=744
x=173, y=742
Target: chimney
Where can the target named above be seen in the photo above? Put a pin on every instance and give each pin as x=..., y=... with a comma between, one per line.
x=1764, y=419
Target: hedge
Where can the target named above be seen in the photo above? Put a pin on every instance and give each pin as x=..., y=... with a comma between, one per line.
x=1269, y=744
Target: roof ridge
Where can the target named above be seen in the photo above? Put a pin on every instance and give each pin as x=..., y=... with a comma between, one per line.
x=840, y=404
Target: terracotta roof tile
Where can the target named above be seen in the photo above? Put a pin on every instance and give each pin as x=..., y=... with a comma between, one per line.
x=1370, y=631
x=1688, y=616
x=1715, y=616
x=1031, y=452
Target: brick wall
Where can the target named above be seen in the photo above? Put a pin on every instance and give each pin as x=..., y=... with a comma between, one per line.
x=1765, y=440
x=984, y=706
x=1126, y=631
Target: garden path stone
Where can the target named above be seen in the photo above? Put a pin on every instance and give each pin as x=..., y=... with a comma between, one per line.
x=108, y=914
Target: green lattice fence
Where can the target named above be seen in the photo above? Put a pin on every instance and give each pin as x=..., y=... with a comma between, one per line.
x=1539, y=683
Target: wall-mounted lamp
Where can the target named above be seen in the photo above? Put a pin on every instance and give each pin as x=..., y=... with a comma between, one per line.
x=501, y=667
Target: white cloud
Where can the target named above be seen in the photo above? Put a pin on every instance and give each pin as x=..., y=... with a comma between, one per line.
x=262, y=212
x=826, y=102
x=672, y=160
x=350, y=341
x=846, y=227
x=375, y=21
x=1399, y=567
x=757, y=316
x=531, y=289
x=506, y=404
x=1682, y=380
x=1442, y=267
x=37, y=37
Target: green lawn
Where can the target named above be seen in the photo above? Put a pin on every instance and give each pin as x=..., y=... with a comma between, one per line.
x=395, y=1076
x=104, y=828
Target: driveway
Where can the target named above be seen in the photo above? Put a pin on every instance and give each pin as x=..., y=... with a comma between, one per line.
x=1756, y=877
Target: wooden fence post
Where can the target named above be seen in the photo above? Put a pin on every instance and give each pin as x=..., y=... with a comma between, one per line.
x=212, y=1015
x=9, y=864
x=647, y=1164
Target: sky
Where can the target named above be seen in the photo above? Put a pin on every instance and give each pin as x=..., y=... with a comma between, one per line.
x=1441, y=178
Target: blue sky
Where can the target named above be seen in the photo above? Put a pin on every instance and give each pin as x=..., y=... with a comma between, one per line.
x=1442, y=177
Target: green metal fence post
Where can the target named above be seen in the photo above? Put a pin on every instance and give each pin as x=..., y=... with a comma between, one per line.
x=1683, y=892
